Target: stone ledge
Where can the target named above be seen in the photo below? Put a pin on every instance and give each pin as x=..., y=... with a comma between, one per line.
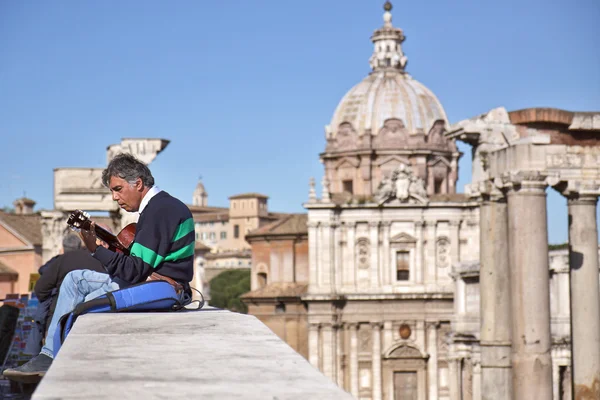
x=212, y=354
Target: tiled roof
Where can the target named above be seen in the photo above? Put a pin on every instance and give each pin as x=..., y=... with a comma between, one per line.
x=248, y=196
x=211, y=217
x=207, y=209
x=5, y=270
x=278, y=289
x=27, y=225
x=201, y=246
x=229, y=254
x=291, y=224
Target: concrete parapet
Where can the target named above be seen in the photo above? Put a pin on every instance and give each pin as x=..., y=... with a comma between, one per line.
x=208, y=354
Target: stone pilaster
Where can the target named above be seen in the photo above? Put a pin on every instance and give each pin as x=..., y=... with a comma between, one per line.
x=313, y=254
x=353, y=328
x=494, y=283
x=339, y=354
x=430, y=262
x=336, y=251
x=388, y=334
x=529, y=282
x=386, y=269
x=453, y=379
x=374, y=239
x=313, y=344
x=326, y=256
x=419, y=252
x=454, y=242
x=328, y=351
x=349, y=267
x=585, y=294
x=432, y=363
x=376, y=361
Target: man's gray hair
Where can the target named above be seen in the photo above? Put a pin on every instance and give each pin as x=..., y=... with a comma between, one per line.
x=71, y=242
x=126, y=166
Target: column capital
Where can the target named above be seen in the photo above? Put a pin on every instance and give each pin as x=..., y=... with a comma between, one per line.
x=524, y=182
x=351, y=325
x=488, y=190
x=579, y=191
x=376, y=325
x=420, y=224
x=374, y=224
x=386, y=224
x=350, y=224
x=454, y=223
x=312, y=224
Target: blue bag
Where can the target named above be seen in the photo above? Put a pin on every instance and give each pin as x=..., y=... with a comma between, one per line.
x=145, y=296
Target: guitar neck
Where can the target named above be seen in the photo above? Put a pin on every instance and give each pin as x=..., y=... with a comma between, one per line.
x=107, y=237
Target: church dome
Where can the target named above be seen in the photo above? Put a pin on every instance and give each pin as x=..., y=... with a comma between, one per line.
x=388, y=93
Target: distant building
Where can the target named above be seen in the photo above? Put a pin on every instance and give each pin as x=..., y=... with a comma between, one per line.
x=20, y=247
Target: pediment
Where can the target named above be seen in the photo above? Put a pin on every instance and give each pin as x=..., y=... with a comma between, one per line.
x=437, y=161
x=347, y=162
x=405, y=351
x=403, y=238
x=392, y=159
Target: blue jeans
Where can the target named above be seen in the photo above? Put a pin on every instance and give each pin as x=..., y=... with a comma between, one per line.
x=78, y=286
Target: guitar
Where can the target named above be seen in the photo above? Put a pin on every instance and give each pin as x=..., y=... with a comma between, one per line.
x=120, y=243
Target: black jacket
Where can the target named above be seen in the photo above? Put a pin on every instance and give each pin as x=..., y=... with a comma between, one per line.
x=53, y=275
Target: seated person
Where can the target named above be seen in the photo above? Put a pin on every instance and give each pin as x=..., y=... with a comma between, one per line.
x=163, y=248
x=73, y=256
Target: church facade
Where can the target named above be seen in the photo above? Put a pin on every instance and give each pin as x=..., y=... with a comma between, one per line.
x=392, y=298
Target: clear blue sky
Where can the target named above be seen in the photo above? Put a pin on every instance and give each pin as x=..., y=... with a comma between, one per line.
x=243, y=88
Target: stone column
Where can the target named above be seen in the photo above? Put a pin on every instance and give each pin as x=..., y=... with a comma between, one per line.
x=353, y=328
x=585, y=296
x=494, y=283
x=386, y=270
x=313, y=344
x=419, y=249
x=432, y=364
x=374, y=238
x=313, y=254
x=529, y=286
x=376, y=361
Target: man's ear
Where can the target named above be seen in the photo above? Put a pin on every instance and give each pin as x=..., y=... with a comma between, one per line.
x=139, y=185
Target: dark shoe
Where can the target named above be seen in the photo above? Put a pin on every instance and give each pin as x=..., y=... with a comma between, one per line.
x=37, y=366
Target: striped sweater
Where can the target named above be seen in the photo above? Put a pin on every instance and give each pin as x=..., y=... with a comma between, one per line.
x=164, y=243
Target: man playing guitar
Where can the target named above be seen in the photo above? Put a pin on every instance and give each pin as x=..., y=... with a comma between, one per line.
x=162, y=248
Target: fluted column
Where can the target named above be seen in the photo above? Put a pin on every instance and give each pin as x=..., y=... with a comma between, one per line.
x=353, y=328
x=386, y=270
x=374, y=238
x=376, y=361
x=530, y=289
x=494, y=283
x=313, y=344
x=419, y=249
x=453, y=379
x=585, y=295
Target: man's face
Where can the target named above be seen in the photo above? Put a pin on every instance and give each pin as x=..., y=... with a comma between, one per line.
x=129, y=197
